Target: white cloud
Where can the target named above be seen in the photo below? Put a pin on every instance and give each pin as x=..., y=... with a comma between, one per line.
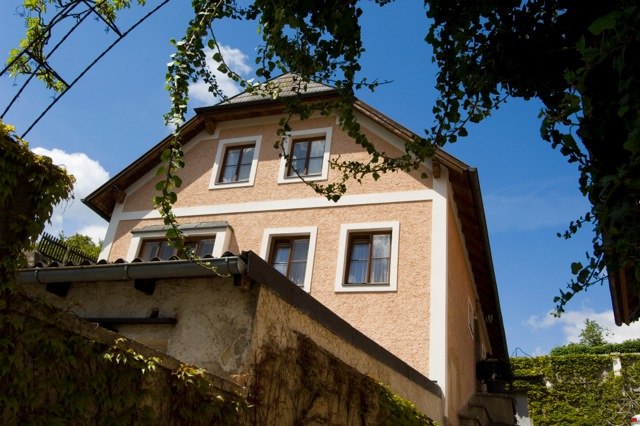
x=571, y=323
x=236, y=60
x=550, y=203
x=73, y=216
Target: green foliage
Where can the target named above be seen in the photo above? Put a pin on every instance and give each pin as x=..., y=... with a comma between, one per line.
x=579, y=389
x=84, y=243
x=399, y=411
x=30, y=185
x=592, y=334
x=629, y=346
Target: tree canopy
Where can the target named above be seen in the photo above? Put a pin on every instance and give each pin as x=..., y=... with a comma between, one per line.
x=580, y=59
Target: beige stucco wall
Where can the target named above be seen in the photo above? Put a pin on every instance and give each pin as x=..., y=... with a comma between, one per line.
x=381, y=316
x=201, y=153
x=461, y=342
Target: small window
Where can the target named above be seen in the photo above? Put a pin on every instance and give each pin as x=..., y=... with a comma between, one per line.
x=369, y=258
x=306, y=157
x=289, y=257
x=236, y=166
x=236, y=162
x=291, y=251
x=161, y=249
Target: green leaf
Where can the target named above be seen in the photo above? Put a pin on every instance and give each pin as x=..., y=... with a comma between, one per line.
x=576, y=267
x=604, y=23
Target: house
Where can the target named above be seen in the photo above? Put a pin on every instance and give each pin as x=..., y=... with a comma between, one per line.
x=403, y=260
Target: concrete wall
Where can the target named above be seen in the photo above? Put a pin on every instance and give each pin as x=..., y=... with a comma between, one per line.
x=214, y=318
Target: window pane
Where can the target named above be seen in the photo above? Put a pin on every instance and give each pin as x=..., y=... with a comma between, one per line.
x=244, y=172
x=300, y=250
x=360, y=250
x=297, y=166
x=299, y=150
x=381, y=245
x=315, y=166
x=317, y=148
x=166, y=251
x=247, y=155
x=380, y=271
x=357, y=272
x=228, y=174
x=281, y=257
x=296, y=272
x=205, y=247
x=149, y=250
x=232, y=156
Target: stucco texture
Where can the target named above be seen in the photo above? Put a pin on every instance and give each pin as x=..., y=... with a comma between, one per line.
x=381, y=316
x=200, y=154
x=214, y=318
x=461, y=341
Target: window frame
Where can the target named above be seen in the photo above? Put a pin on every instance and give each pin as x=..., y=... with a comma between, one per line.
x=273, y=234
x=221, y=231
x=289, y=241
x=347, y=232
x=353, y=238
x=197, y=239
x=221, y=157
x=308, y=135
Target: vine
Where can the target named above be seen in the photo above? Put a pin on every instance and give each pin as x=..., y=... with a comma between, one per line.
x=579, y=389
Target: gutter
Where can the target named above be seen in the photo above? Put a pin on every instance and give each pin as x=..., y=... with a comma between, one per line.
x=231, y=265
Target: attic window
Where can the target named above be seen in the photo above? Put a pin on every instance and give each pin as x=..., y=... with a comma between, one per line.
x=308, y=152
x=235, y=163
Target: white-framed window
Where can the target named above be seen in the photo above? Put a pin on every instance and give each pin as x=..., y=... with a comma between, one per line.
x=368, y=257
x=308, y=152
x=236, y=162
x=291, y=251
x=203, y=238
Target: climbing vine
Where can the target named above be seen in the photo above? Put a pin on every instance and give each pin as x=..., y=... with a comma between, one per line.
x=579, y=389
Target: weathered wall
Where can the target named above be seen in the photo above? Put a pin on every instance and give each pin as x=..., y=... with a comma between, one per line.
x=214, y=318
x=461, y=339
x=279, y=324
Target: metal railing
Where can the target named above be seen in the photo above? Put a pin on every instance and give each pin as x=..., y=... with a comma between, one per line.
x=55, y=249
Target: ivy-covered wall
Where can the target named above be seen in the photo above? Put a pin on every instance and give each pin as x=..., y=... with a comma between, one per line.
x=582, y=389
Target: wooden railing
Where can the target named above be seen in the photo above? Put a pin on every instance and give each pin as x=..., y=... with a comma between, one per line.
x=55, y=249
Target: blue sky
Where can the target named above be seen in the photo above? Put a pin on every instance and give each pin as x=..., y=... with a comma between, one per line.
x=114, y=114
